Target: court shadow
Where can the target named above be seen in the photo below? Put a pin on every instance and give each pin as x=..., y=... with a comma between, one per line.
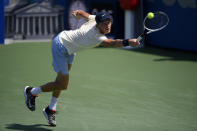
x=168, y=54
x=20, y=127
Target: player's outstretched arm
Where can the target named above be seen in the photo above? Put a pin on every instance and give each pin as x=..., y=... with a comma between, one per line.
x=80, y=14
x=120, y=43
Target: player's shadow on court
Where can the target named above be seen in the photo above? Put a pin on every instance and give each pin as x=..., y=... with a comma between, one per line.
x=20, y=127
x=168, y=54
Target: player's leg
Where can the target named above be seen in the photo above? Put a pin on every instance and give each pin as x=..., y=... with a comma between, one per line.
x=62, y=80
x=60, y=64
x=56, y=93
x=61, y=83
x=69, y=66
x=50, y=111
x=30, y=93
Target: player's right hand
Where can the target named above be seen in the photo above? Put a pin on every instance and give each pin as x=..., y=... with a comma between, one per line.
x=134, y=42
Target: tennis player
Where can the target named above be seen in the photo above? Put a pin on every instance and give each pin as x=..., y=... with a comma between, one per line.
x=64, y=46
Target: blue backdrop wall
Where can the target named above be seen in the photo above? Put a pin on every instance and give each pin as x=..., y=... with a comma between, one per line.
x=181, y=33
x=1, y=21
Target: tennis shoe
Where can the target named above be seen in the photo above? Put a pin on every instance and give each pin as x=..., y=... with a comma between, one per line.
x=29, y=98
x=50, y=116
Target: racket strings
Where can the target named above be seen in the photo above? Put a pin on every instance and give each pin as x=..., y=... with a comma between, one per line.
x=159, y=21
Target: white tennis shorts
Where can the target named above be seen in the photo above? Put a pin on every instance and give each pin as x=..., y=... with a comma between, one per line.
x=61, y=58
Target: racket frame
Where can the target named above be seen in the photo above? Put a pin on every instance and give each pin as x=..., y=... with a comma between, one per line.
x=147, y=30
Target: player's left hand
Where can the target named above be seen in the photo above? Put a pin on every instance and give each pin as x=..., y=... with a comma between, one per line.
x=134, y=42
x=76, y=14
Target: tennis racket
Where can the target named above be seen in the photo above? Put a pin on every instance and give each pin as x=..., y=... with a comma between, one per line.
x=158, y=22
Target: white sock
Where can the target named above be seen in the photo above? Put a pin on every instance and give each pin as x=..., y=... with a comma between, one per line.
x=53, y=103
x=36, y=91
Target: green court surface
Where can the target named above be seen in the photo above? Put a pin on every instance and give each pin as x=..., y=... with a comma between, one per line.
x=145, y=89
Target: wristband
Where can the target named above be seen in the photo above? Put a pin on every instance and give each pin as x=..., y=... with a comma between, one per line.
x=125, y=42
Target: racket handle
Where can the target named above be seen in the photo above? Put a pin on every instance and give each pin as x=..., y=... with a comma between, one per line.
x=139, y=38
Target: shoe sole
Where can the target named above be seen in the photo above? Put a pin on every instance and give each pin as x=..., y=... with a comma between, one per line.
x=26, y=98
x=25, y=94
x=47, y=118
x=45, y=114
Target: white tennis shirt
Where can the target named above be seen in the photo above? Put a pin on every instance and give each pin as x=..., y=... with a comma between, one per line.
x=85, y=37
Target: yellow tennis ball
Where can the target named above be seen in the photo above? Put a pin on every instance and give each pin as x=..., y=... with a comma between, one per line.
x=150, y=15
